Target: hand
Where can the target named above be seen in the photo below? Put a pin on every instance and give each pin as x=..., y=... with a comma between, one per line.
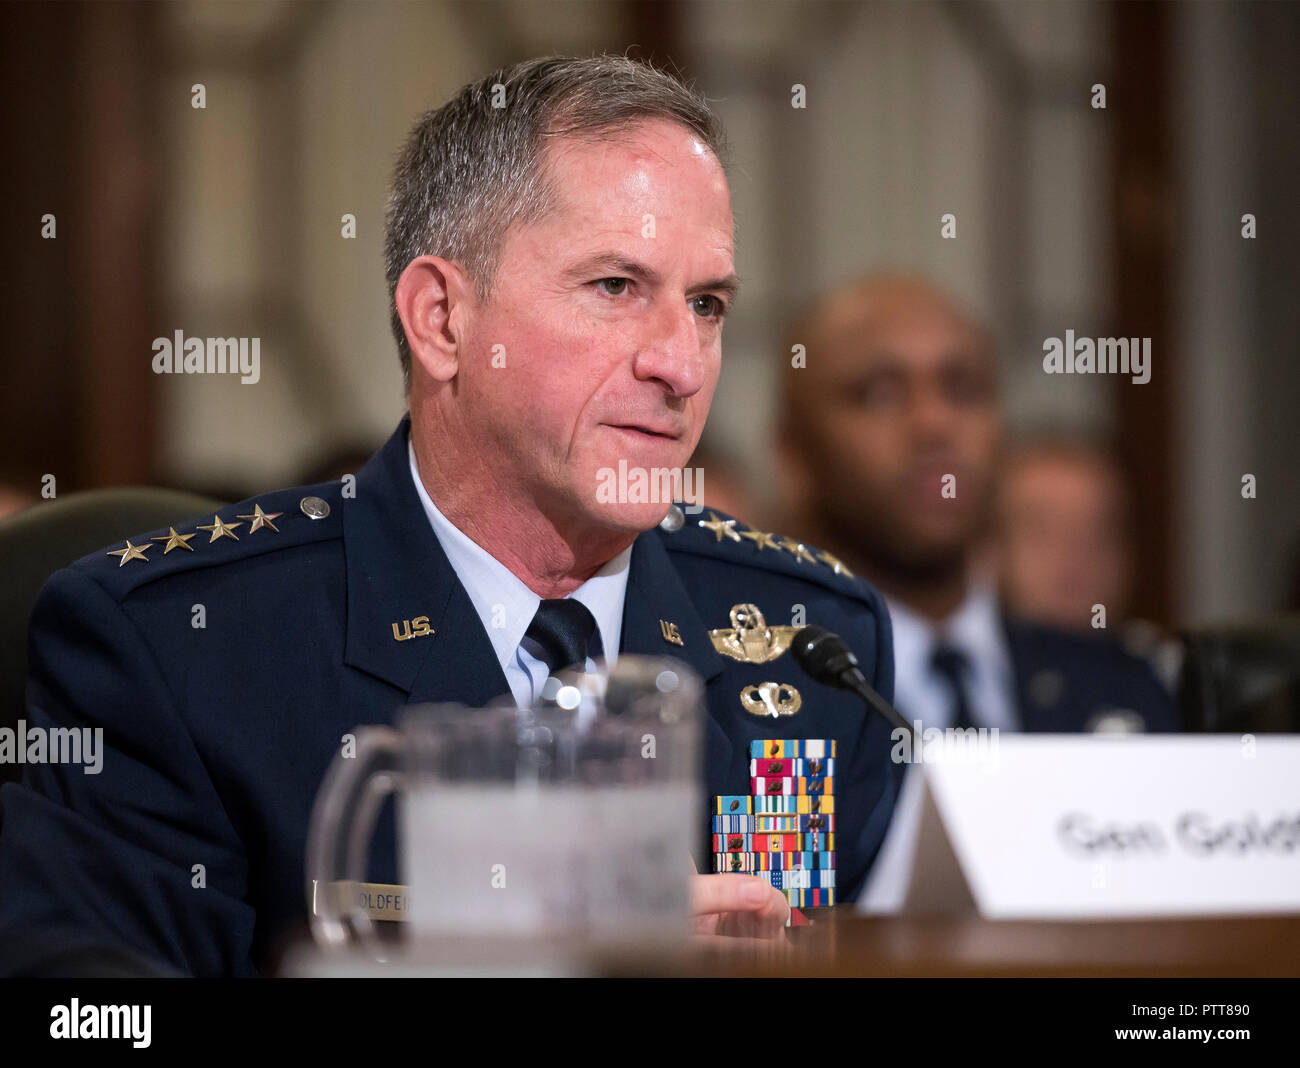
x=738, y=909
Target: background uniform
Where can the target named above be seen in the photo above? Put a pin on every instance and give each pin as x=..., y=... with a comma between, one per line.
x=981, y=669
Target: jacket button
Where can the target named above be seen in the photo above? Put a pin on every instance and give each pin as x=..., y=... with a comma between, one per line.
x=673, y=521
x=314, y=507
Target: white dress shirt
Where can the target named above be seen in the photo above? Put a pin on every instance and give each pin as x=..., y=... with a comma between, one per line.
x=506, y=606
x=920, y=692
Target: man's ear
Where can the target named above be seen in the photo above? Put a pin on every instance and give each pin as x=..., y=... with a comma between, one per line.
x=431, y=299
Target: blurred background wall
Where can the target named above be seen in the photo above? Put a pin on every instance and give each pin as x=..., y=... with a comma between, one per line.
x=227, y=221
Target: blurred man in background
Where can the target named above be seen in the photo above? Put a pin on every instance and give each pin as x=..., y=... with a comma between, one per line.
x=1064, y=545
x=1063, y=533
x=889, y=443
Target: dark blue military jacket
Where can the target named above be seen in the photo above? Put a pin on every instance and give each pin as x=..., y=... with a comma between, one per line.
x=216, y=739
x=1068, y=682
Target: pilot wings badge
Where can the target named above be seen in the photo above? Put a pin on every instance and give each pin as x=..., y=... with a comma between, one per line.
x=749, y=639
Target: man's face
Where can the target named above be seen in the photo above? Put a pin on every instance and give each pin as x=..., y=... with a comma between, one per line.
x=608, y=317
x=1062, y=543
x=899, y=393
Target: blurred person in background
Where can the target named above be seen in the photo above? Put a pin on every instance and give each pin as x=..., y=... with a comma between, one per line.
x=1063, y=534
x=889, y=443
x=1063, y=547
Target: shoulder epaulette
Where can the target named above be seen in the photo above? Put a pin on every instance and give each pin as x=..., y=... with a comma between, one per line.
x=716, y=534
x=268, y=523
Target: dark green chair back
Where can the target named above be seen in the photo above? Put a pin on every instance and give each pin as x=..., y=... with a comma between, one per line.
x=52, y=534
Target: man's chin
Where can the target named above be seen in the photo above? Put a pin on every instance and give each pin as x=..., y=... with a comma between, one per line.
x=631, y=517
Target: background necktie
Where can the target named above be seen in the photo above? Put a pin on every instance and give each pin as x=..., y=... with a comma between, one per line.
x=562, y=628
x=954, y=667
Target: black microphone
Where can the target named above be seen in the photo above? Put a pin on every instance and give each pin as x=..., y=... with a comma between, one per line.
x=827, y=658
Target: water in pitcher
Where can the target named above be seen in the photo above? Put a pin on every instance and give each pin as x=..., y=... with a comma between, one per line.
x=599, y=862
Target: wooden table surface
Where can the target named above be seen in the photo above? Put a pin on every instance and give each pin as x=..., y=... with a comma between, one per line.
x=840, y=942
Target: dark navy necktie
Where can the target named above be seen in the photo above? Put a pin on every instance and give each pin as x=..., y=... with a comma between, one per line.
x=954, y=667
x=563, y=629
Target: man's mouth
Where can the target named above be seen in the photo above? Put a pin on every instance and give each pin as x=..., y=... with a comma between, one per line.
x=647, y=431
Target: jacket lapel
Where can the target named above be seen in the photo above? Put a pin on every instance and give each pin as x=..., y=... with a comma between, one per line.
x=657, y=599
x=397, y=572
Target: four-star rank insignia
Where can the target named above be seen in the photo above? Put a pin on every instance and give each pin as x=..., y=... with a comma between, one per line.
x=835, y=564
x=798, y=550
x=261, y=519
x=725, y=530
x=749, y=639
x=761, y=538
x=220, y=529
x=131, y=552
x=176, y=541
x=720, y=528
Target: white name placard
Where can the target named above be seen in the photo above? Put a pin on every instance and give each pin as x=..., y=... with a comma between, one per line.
x=1082, y=826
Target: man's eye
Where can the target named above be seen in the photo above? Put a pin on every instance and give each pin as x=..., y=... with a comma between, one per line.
x=714, y=308
x=876, y=392
x=967, y=389
x=619, y=286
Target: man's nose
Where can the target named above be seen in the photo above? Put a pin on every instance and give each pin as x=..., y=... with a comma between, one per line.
x=934, y=418
x=671, y=352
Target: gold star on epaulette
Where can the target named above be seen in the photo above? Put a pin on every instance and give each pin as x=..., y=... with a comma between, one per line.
x=220, y=529
x=176, y=541
x=261, y=519
x=836, y=564
x=720, y=527
x=760, y=538
x=798, y=549
x=131, y=552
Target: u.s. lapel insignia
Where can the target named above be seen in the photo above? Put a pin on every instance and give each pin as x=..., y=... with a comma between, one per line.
x=773, y=699
x=749, y=639
x=670, y=632
x=412, y=628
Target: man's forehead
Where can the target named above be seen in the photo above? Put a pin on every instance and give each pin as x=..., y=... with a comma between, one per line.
x=653, y=164
x=911, y=335
x=650, y=141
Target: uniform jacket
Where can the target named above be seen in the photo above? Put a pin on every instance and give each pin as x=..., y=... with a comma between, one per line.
x=216, y=738
x=1068, y=682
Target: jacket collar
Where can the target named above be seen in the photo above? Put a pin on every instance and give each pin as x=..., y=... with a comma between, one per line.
x=397, y=572
x=657, y=605
x=657, y=599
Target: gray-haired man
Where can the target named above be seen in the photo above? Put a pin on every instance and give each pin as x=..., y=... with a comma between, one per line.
x=559, y=256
